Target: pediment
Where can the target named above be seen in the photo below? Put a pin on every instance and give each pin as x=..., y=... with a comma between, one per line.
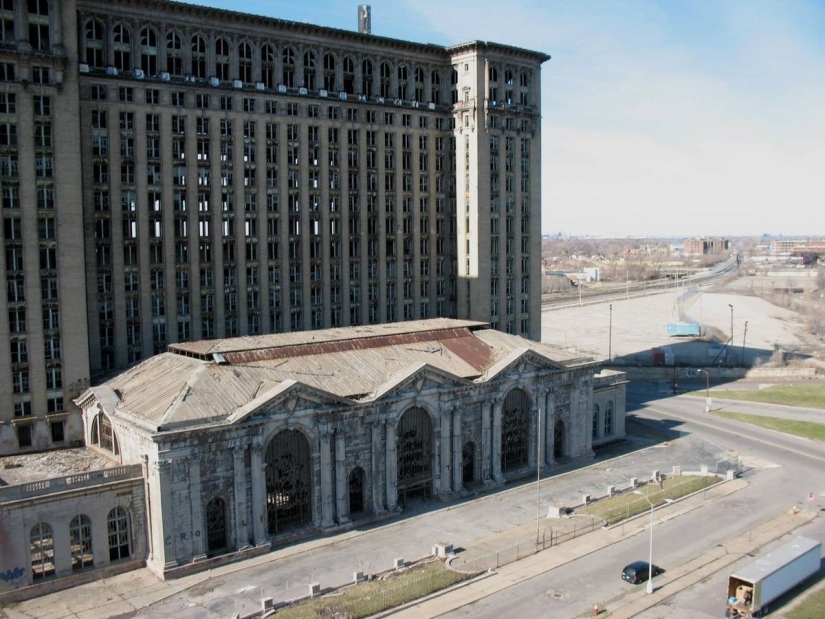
x=518, y=362
x=288, y=397
x=416, y=379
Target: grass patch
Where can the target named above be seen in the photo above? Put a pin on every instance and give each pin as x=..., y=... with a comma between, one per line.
x=813, y=607
x=626, y=505
x=805, y=429
x=810, y=396
x=369, y=598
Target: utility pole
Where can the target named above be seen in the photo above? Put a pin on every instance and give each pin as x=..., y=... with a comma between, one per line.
x=731, y=326
x=610, y=336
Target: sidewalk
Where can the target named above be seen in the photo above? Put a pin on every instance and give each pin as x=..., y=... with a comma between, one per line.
x=284, y=573
x=631, y=604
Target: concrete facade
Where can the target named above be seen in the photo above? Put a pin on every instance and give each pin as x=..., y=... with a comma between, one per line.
x=64, y=531
x=226, y=447
x=224, y=174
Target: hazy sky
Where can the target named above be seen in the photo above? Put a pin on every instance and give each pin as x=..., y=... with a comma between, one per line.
x=669, y=118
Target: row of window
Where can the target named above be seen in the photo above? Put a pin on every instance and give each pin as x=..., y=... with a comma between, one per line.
x=202, y=58
x=605, y=424
x=42, y=548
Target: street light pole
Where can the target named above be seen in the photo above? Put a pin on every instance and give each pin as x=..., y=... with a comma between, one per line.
x=650, y=562
x=707, y=389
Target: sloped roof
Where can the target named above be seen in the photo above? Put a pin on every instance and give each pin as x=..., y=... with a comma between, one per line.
x=188, y=386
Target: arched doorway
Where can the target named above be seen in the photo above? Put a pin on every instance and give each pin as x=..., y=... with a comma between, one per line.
x=356, y=491
x=558, y=439
x=215, y=524
x=414, y=444
x=515, y=430
x=468, y=463
x=288, y=481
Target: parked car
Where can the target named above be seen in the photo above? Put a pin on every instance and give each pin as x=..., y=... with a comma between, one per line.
x=639, y=571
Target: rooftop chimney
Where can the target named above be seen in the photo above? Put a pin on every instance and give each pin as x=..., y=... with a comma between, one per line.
x=364, y=19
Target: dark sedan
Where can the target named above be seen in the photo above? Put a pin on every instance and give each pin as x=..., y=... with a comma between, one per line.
x=639, y=571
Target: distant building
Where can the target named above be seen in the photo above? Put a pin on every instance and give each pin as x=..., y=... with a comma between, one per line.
x=221, y=448
x=704, y=246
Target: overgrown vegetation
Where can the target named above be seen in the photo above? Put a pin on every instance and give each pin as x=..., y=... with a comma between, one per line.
x=805, y=429
x=811, y=396
x=628, y=504
x=813, y=607
x=369, y=598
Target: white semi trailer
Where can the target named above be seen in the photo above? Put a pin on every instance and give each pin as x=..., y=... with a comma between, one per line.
x=752, y=588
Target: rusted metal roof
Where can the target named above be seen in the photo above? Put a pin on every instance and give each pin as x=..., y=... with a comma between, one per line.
x=174, y=390
x=361, y=337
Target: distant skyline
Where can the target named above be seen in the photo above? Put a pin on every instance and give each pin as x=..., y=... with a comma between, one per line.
x=669, y=118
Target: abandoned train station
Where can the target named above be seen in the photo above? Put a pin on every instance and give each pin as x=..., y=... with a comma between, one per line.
x=219, y=449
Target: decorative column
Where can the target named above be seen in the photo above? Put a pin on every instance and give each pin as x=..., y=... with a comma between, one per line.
x=457, y=455
x=165, y=544
x=341, y=502
x=496, y=451
x=326, y=480
x=378, y=461
x=391, y=468
x=196, y=505
x=239, y=489
x=446, y=461
x=486, y=442
x=549, y=426
x=260, y=523
x=532, y=437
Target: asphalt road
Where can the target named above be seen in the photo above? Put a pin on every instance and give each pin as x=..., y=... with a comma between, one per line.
x=780, y=469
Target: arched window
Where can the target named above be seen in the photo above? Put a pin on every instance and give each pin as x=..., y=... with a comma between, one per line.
x=468, y=462
x=508, y=86
x=288, y=481
x=356, y=491
x=401, y=85
x=367, y=78
x=558, y=440
x=435, y=87
x=309, y=71
x=39, y=24
x=349, y=75
x=216, y=524
x=515, y=430
x=329, y=72
x=174, y=53
x=268, y=65
x=384, y=80
x=289, y=67
x=524, y=88
x=595, y=421
x=80, y=535
x=122, y=44
x=120, y=541
x=222, y=59
x=414, y=449
x=454, y=87
x=149, y=51
x=198, y=56
x=419, y=84
x=41, y=547
x=103, y=435
x=95, y=49
x=493, y=92
x=608, y=418
x=245, y=62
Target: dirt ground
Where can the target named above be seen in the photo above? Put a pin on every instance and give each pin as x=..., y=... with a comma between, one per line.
x=627, y=329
